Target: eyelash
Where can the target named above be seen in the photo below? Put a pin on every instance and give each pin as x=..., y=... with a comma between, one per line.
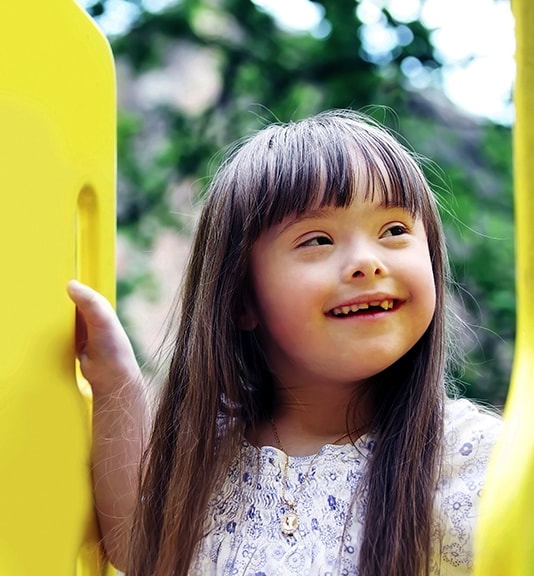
x=322, y=240
x=317, y=241
x=398, y=227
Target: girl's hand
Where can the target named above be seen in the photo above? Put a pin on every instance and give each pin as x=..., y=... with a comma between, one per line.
x=120, y=419
x=106, y=357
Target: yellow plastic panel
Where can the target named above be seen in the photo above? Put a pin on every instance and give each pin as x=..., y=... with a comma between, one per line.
x=57, y=221
x=505, y=538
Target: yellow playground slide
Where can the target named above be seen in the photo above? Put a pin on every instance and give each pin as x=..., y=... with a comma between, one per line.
x=57, y=186
x=505, y=538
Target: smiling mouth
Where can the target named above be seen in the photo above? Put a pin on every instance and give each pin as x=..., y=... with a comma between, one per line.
x=366, y=308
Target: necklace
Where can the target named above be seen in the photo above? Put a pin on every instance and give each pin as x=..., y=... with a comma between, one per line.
x=290, y=519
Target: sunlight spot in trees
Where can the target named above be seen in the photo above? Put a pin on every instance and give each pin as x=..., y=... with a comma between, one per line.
x=297, y=15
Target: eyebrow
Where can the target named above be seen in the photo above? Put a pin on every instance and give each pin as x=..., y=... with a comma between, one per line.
x=324, y=212
x=316, y=214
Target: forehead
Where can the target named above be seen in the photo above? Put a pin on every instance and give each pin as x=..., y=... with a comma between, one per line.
x=355, y=179
x=362, y=207
x=306, y=175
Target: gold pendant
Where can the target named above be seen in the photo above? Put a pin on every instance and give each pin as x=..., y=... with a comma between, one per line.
x=290, y=523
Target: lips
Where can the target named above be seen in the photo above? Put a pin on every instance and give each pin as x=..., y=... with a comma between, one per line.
x=374, y=305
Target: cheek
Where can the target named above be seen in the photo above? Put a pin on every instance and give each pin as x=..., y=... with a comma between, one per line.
x=427, y=298
x=425, y=285
x=277, y=302
x=267, y=301
x=286, y=304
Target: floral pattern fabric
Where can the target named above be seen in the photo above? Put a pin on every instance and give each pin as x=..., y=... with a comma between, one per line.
x=243, y=531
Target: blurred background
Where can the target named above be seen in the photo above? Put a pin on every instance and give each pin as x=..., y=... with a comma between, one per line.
x=195, y=75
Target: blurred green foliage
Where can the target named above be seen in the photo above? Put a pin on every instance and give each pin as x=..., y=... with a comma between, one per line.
x=266, y=73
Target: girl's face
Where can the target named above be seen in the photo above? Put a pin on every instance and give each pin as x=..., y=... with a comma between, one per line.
x=340, y=294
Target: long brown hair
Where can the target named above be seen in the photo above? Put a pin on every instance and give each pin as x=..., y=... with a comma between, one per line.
x=219, y=382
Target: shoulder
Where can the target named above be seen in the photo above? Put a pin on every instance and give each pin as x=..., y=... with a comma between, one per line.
x=471, y=432
x=470, y=429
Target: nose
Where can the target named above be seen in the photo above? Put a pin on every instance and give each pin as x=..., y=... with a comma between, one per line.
x=363, y=261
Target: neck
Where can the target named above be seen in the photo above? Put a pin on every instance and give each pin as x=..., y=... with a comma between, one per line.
x=307, y=419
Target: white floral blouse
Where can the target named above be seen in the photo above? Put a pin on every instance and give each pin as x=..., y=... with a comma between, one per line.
x=243, y=532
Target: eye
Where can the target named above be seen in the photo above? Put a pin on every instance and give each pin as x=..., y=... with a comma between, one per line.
x=317, y=241
x=395, y=230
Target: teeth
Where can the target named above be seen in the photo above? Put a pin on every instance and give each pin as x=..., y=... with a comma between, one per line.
x=344, y=310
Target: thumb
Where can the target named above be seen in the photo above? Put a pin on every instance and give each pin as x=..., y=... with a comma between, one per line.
x=95, y=310
x=102, y=345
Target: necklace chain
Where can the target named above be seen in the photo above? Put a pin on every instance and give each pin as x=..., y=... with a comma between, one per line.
x=290, y=519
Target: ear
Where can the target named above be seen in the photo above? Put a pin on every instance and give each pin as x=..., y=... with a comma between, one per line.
x=247, y=318
x=247, y=321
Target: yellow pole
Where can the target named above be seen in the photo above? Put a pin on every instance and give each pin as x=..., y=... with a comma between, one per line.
x=505, y=537
x=57, y=221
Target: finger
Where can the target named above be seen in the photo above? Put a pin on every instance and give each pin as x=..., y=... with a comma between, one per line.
x=80, y=334
x=95, y=309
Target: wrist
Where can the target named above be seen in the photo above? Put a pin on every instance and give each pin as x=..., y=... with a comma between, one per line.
x=121, y=386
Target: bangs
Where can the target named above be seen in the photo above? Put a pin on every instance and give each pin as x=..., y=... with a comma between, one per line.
x=326, y=161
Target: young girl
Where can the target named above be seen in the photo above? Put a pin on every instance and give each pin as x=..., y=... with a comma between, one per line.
x=303, y=428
